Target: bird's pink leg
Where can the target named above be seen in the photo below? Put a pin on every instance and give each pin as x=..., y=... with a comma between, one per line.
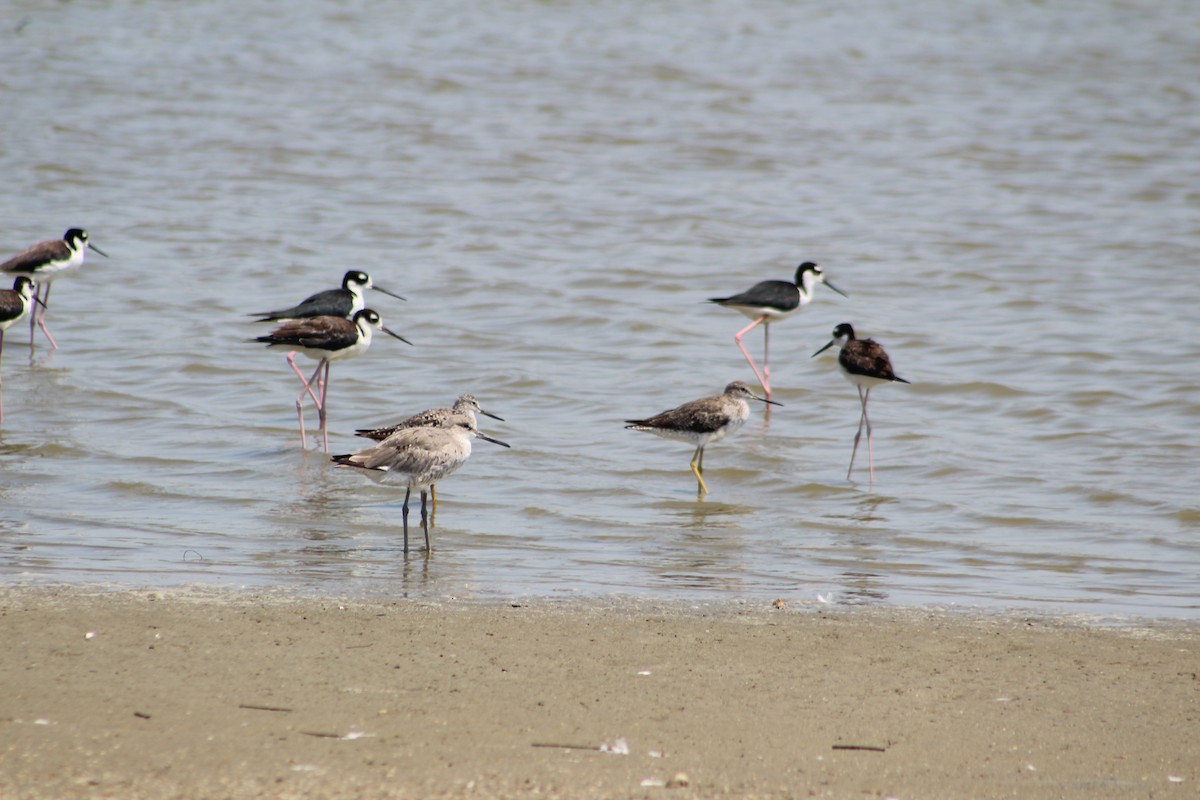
x=862, y=418
x=321, y=411
x=762, y=379
x=767, y=352
x=41, y=321
x=291, y=359
x=870, y=436
x=306, y=390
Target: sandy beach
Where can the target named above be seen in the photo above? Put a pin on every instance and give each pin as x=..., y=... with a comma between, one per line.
x=135, y=694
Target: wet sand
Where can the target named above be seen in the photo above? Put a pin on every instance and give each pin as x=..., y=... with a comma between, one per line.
x=233, y=695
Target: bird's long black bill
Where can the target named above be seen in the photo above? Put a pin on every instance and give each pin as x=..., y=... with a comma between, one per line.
x=389, y=294
x=490, y=414
x=396, y=335
x=823, y=349
x=97, y=249
x=479, y=435
x=836, y=289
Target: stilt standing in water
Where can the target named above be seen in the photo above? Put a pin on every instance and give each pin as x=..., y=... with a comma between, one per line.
x=343, y=302
x=699, y=422
x=865, y=364
x=44, y=262
x=14, y=304
x=325, y=339
x=418, y=458
x=771, y=301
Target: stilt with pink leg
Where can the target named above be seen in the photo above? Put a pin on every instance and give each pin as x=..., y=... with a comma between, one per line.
x=864, y=363
x=44, y=262
x=771, y=301
x=14, y=304
x=324, y=339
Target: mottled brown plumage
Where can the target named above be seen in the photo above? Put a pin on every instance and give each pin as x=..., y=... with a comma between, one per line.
x=418, y=458
x=699, y=422
x=865, y=364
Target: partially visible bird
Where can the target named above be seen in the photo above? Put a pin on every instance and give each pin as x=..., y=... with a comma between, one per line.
x=865, y=364
x=14, y=304
x=771, y=301
x=702, y=421
x=418, y=458
x=44, y=262
x=466, y=405
x=343, y=302
x=324, y=339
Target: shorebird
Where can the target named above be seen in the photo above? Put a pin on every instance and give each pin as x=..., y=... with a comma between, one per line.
x=344, y=302
x=699, y=422
x=466, y=405
x=324, y=339
x=14, y=304
x=418, y=458
x=44, y=262
x=865, y=364
x=771, y=301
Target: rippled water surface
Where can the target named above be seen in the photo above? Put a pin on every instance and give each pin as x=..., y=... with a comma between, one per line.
x=1008, y=191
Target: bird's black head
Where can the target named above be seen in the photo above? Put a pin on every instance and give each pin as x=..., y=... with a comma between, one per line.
x=356, y=278
x=844, y=331
x=807, y=266
x=369, y=316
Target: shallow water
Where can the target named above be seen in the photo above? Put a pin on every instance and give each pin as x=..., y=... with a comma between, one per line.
x=1007, y=192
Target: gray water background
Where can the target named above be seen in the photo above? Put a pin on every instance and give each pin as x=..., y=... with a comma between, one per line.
x=1008, y=191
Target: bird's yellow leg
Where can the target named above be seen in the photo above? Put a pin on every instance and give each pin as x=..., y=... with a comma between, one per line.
x=698, y=467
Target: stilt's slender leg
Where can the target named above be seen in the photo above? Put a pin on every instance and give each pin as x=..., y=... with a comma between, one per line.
x=1, y=378
x=404, y=516
x=433, y=501
x=41, y=321
x=762, y=379
x=698, y=457
x=321, y=411
x=291, y=359
x=424, y=521
x=308, y=382
x=767, y=354
x=862, y=400
x=870, y=435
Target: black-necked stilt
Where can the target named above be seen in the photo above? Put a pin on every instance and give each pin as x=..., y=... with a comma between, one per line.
x=771, y=301
x=344, y=302
x=14, y=304
x=44, y=262
x=699, y=422
x=865, y=364
x=466, y=405
x=324, y=339
x=418, y=458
